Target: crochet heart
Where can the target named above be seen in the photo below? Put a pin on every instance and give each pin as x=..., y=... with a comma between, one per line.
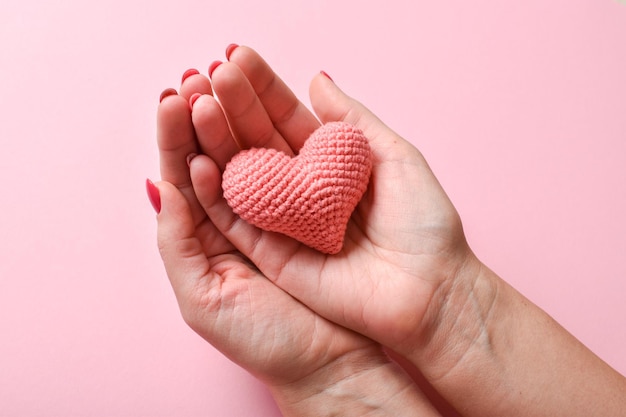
x=309, y=197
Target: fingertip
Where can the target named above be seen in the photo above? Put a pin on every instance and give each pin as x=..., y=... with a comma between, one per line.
x=329, y=102
x=172, y=104
x=206, y=179
x=190, y=157
x=322, y=80
x=192, y=100
x=325, y=74
x=195, y=83
x=166, y=93
x=189, y=73
x=213, y=67
x=163, y=197
x=202, y=168
x=154, y=195
x=229, y=50
x=174, y=218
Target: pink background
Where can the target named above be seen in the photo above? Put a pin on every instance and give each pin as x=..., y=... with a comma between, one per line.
x=520, y=107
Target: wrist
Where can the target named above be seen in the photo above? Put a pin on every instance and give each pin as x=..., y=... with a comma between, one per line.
x=456, y=325
x=508, y=356
x=359, y=383
x=460, y=348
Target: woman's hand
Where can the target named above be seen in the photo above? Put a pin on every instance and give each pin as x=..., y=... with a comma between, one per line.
x=406, y=276
x=404, y=249
x=311, y=365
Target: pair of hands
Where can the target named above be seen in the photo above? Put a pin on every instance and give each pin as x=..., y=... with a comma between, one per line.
x=283, y=311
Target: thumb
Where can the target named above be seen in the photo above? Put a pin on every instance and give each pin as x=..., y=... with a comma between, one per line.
x=331, y=104
x=181, y=251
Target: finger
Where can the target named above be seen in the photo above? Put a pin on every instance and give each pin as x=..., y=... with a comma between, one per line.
x=194, y=83
x=176, y=139
x=253, y=242
x=212, y=131
x=290, y=117
x=292, y=266
x=394, y=158
x=185, y=261
x=389, y=149
x=331, y=104
x=321, y=282
x=213, y=242
x=246, y=115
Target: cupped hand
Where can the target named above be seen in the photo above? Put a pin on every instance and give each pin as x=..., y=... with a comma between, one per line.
x=229, y=302
x=405, y=277
x=222, y=296
x=404, y=248
x=311, y=365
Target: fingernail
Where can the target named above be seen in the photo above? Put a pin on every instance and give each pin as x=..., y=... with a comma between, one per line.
x=193, y=98
x=229, y=50
x=153, y=195
x=189, y=73
x=212, y=67
x=166, y=93
x=190, y=157
x=325, y=74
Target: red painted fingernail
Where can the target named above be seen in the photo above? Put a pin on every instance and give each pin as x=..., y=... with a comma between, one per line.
x=193, y=99
x=229, y=49
x=325, y=74
x=154, y=195
x=212, y=67
x=189, y=73
x=190, y=157
x=166, y=93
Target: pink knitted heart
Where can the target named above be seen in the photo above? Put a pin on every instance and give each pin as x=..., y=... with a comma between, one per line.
x=309, y=197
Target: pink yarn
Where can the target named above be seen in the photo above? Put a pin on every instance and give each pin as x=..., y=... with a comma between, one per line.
x=309, y=197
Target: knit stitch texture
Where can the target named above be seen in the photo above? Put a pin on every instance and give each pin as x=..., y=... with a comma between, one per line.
x=309, y=197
